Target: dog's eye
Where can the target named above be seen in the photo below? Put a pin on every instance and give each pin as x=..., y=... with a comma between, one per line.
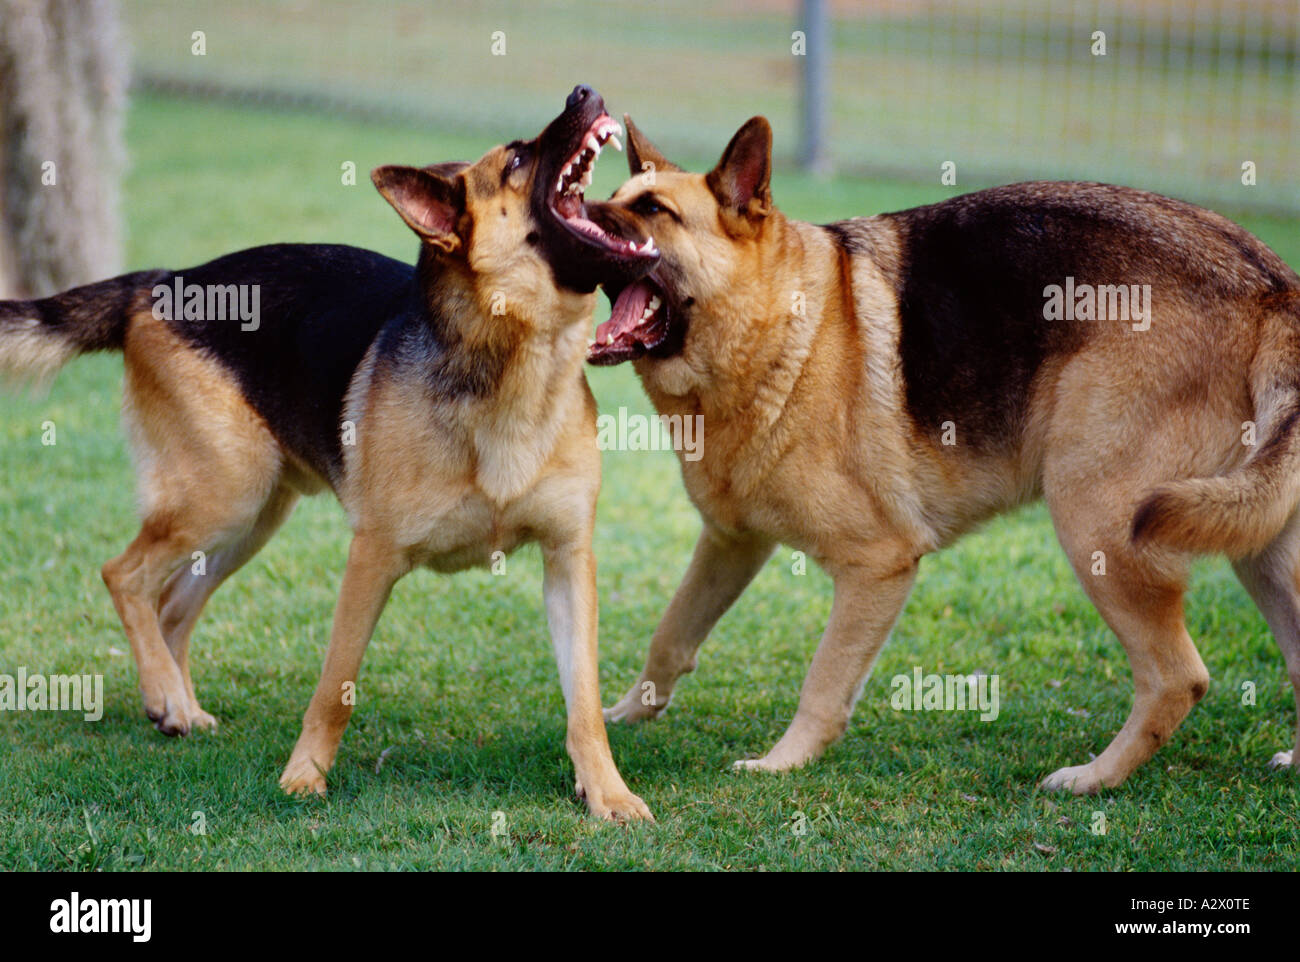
x=647, y=206
x=518, y=156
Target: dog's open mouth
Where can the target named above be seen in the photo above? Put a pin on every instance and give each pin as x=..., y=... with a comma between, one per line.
x=639, y=323
x=567, y=201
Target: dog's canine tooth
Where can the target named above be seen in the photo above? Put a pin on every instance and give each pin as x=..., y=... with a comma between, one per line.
x=615, y=143
x=654, y=303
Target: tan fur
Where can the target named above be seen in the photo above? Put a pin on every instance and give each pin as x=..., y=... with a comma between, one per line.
x=206, y=466
x=811, y=445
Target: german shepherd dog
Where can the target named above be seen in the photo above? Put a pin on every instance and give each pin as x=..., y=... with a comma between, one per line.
x=445, y=405
x=874, y=388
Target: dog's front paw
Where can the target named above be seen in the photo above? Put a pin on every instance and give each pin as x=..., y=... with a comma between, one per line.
x=1281, y=760
x=167, y=710
x=201, y=720
x=765, y=764
x=632, y=707
x=1079, y=779
x=302, y=776
x=616, y=805
x=613, y=803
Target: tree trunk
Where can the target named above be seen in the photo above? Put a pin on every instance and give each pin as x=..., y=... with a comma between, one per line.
x=63, y=81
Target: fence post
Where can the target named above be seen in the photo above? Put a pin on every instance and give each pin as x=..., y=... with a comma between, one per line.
x=814, y=156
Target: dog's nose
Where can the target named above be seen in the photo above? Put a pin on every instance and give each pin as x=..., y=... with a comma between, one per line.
x=580, y=93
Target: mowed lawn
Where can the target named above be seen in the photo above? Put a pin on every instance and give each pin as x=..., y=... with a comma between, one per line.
x=460, y=714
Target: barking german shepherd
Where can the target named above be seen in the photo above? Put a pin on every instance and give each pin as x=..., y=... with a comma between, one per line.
x=445, y=406
x=874, y=388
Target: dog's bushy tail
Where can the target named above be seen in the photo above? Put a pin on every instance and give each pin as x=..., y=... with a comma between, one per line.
x=1240, y=513
x=39, y=337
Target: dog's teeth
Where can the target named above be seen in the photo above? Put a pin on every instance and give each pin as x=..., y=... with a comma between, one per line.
x=593, y=144
x=609, y=339
x=654, y=303
x=616, y=143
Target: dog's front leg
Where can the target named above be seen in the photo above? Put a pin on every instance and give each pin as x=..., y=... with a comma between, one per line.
x=722, y=567
x=374, y=565
x=868, y=598
x=569, y=585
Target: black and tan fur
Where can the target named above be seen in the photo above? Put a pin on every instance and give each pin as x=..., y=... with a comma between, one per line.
x=826, y=426
x=462, y=379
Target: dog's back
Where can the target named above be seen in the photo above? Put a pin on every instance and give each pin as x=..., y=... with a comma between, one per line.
x=320, y=308
x=969, y=276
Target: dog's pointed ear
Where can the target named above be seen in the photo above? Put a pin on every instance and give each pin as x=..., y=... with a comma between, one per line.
x=741, y=181
x=641, y=152
x=431, y=202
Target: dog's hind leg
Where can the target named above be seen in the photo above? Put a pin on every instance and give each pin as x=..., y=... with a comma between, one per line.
x=1141, y=599
x=189, y=589
x=1272, y=578
x=206, y=466
x=135, y=579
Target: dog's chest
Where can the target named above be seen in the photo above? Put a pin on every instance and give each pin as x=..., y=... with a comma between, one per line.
x=714, y=492
x=474, y=532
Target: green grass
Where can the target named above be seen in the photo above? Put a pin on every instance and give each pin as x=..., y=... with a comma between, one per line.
x=459, y=697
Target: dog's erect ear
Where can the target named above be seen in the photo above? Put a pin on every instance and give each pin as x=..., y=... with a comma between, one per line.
x=741, y=179
x=641, y=152
x=430, y=202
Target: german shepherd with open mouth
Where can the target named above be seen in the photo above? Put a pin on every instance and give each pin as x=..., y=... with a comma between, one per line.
x=445, y=405
x=874, y=388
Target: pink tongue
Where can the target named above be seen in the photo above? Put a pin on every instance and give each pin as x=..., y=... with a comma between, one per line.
x=626, y=315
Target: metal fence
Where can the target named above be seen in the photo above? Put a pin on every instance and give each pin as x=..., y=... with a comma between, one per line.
x=1171, y=95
